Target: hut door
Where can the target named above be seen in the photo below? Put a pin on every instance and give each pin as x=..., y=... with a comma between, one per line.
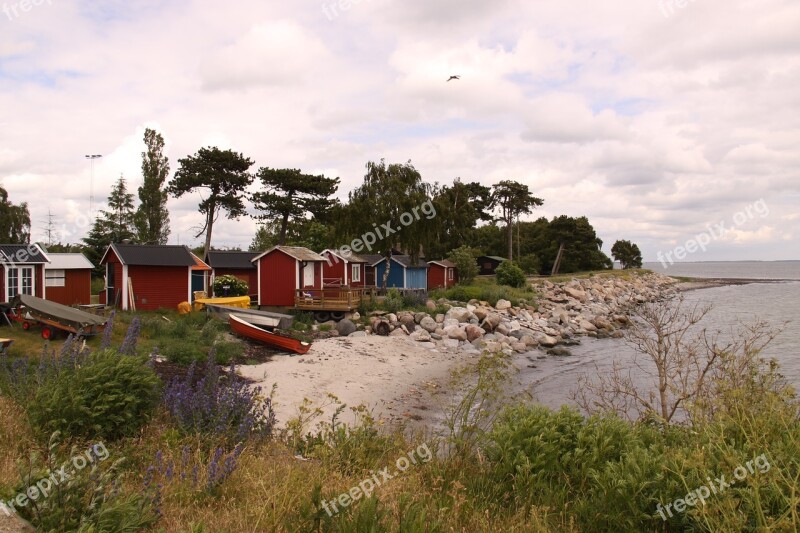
x=110, y=276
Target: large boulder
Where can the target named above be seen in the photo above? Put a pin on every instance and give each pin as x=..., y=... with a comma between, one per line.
x=547, y=341
x=428, y=324
x=421, y=335
x=397, y=332
x=345, y=327
x=456, y=333
x=404, y=317
x=473, y=332
x=450, y=322
x=586, y=325
x=578, y=294
x=458, y=313
x=491, y=321
x=502, y=305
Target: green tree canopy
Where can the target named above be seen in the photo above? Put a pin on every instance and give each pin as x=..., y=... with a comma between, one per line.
x=291, y=195
x=392, y=206
x=152, y=217
x=15, y=221
x=222, y=176
x=627, y=254
x=459, y=209
x=513, y=199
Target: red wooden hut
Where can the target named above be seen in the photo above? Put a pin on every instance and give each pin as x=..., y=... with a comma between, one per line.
x=21, y=270
x=283, y=270
x=156, y=276
x=68, y=279
x=442, y=274
x=234, y=263
x=341, y=271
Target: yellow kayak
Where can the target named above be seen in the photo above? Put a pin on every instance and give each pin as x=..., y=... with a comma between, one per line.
x=232, y=301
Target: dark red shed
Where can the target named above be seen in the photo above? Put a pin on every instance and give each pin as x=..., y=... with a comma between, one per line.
x=442, y=274
x=68, y=279
x=283, y=270
x=342, y=270
x=158, y=276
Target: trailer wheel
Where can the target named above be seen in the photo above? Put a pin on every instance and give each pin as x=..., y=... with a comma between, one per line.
x=26, y=326
x=322, y=316
x=48, y=333
x=337, y=315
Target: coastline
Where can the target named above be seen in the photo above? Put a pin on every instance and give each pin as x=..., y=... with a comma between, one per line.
x=690, y=284
x=404, y=379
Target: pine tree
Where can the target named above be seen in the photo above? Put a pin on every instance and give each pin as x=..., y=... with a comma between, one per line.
x=114, y=225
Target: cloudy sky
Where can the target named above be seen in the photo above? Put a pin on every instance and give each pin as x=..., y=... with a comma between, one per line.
x=653, y=120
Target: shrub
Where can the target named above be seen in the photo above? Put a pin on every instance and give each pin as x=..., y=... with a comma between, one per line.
x=508, y=273
x=219, y=405
x=415, y=299
x=109, y=396
x=465, y=260
x=88, y=500
x=393, y=301
x=228, y=285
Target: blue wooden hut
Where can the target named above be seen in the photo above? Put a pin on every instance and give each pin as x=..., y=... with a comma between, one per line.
x=404, y=273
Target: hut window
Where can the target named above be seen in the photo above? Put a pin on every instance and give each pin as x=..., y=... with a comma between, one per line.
x=356, y=273
x=450, y=273
x=55, y=278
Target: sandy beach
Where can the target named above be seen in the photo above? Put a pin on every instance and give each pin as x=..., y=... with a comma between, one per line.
x=399, y=379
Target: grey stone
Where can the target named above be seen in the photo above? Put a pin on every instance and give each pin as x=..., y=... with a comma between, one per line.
x=345, y=327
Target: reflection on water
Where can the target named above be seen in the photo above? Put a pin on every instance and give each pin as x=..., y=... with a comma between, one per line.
x=553, y=378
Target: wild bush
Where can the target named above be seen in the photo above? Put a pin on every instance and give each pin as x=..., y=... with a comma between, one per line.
x=394, y=301
x=87, y=500
x=217, y=404
x=109, y=396
x=508, y=273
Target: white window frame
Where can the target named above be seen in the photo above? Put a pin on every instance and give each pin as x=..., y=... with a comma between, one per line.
x=20, y=276
x=56, y=277
x=308, y=270
x=355, y=272
x=450, y=275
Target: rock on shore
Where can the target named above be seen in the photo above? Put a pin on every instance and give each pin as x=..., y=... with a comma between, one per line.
x=597, y=307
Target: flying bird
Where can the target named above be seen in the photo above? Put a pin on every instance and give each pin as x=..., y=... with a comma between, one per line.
x=454, y=78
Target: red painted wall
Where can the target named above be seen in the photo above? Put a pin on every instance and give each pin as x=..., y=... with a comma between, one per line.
x=334, y=270
x=158, y=287
x=278, y=279
x=77, y=289
x=248, y=275
x=435, y=276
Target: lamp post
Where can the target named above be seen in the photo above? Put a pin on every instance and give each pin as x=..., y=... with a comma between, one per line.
x=91, y=158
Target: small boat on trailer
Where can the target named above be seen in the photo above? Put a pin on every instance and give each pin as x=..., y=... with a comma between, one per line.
x=242, y=327
x=262, y=319
x=53, y=317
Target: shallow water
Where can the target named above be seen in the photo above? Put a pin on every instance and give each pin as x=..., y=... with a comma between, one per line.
x=554, y=378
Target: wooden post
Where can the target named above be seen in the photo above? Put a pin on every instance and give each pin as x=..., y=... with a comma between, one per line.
x=130, y=294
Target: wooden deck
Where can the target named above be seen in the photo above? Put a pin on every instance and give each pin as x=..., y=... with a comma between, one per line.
x=330, y=299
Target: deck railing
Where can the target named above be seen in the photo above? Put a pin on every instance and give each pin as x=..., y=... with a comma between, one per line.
x=330, y=299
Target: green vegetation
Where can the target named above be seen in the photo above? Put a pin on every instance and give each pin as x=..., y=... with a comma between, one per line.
x=464, y=259
x=485, y=289
x=508, y=273
x=108, y=396
x=627, y=254
x=229, y=285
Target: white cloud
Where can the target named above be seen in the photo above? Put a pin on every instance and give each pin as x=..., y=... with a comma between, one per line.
x=651, y=126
